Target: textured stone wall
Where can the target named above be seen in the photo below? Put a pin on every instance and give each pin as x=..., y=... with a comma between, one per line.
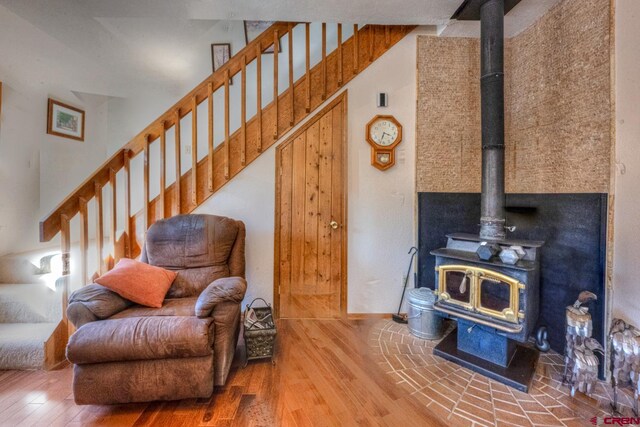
x=557, y=106
x=448, y=115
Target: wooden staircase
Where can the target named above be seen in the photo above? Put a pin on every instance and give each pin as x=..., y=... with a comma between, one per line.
x=222, y=162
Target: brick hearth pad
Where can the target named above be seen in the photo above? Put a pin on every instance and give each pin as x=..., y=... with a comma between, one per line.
x=465, y=398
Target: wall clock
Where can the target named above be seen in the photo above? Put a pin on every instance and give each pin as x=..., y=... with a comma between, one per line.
x=384, y=133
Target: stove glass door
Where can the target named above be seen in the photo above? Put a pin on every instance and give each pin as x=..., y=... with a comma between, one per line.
x=479, y=290
x=494, y=294
x=498, y=295
x=458, y=284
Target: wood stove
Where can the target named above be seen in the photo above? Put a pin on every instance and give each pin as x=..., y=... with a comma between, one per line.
x=495, y=304
x=491, y=293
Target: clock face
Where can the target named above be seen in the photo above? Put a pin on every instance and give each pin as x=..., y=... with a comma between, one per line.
x=384, y=132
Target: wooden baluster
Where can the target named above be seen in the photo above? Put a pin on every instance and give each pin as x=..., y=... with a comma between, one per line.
x=339, y=54
x=243, y=112
x=65, y=249
x=163, y=167
x=356, y=49
x=308, y=67
x=372, y=36
x=227, y=151
x=259, y=96
x=324, y=61
x=194, y=152
x=387, y=39
x=145, y=202
x=84, y=241
x=210, y=158
x=178, y=151
x=292, y=117
x=114, y=211
x=276, y=48
x=127, y=202
x=99, y=228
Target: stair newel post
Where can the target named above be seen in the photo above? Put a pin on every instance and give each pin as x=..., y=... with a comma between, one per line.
x=127, y=202
x=227, y=142
x=307, y=66
x=177, y=194
x=243, y=111
x=259, y=95
x=145, y=201
x=210, y=142
x=194, y=152
x=292, y=117
x=324, y=61
x=65, y=249
x=84, y=241
x=356, y=49
x=99, y=228
x=163, y=166
x=276, y=48
x=113, y=217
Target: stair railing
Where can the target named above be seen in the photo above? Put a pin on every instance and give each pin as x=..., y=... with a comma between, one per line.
x=288, y=107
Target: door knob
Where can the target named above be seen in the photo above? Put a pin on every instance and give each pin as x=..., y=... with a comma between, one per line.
x=333, y=225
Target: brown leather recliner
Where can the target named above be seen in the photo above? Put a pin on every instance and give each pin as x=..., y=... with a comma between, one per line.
x=125, y=352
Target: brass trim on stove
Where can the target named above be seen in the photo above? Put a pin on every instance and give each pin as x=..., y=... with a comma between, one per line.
x=512, y=330
x=476, y=275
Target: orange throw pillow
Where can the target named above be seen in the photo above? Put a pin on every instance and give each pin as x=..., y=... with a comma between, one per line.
x=138, y=282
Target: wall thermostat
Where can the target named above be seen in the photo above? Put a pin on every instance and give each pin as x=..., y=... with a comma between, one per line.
x=383, y=100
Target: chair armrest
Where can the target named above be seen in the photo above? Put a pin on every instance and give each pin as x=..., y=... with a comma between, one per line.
x=94, y=302
x=227, y=289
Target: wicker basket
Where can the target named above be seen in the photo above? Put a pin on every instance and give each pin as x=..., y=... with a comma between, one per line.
x=259, y=331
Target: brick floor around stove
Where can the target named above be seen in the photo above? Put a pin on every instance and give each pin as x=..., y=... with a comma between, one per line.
x=465, y=398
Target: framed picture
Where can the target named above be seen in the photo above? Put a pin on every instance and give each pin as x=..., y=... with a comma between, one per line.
x=253, y=29
x=65, y=121
x=220, y=54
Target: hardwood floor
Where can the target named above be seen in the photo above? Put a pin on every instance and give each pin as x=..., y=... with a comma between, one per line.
x=323, y=375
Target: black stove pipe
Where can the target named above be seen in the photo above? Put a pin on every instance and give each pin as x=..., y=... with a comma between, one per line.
x=492, y=220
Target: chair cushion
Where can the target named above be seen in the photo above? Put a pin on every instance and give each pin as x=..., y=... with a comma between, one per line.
x=191, y=282
x=141, y=338
x=138, y=282
x=189, y=241
x=170, y=307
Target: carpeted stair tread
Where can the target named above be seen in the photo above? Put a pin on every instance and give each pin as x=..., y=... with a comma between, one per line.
x=29, y=303
x=22, y=344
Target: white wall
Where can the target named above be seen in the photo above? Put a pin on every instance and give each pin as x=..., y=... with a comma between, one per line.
x=38, y=170
x=381, y=205
x=626, y=263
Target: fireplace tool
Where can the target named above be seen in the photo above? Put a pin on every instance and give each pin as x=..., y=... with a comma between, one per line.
x=402, y=318
x=624, y=344
x=580, y=360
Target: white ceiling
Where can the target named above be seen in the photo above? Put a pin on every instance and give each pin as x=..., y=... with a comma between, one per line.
x=161, y=41
x=519, y=18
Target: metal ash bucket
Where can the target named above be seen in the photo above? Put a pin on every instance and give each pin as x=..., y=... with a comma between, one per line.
x=423, y=321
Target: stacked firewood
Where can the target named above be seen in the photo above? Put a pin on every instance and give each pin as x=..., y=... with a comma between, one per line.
x=581, y=361
x=624, y=344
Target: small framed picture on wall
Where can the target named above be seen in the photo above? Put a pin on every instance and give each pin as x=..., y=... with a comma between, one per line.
x=220, y=54
x=65, y=121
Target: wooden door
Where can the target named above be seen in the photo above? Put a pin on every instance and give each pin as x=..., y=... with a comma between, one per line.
x=310, y=243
